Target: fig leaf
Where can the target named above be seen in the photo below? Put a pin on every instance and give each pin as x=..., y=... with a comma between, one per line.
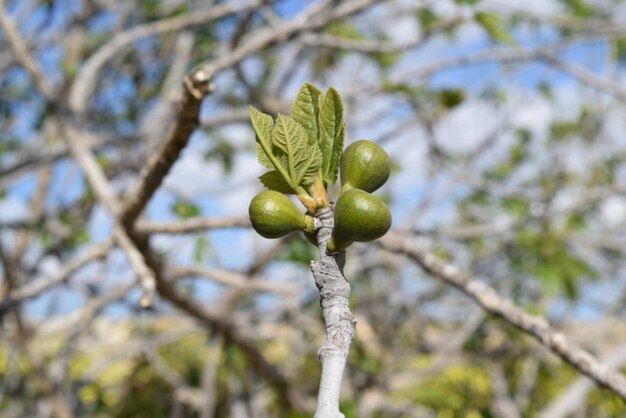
x=306, y=109
x=331, y=134
x=274, y=181
x=303, y=159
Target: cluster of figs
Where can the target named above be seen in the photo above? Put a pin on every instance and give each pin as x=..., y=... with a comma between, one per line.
x=359, y=216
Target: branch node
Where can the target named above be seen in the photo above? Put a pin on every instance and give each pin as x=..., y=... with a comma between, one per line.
x=199, y=84
x=148, y=288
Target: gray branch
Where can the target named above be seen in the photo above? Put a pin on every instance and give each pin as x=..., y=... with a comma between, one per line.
x=488, y=299
x=340, y=323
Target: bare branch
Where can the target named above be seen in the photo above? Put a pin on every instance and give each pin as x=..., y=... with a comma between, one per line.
x=219, y=323
x=493, y=303
x=34, y=156
x=99, y=182
x=209, y=375
x=236, y=280
x=262, y=38
x=22, y=54
x=507, y=55
x=86, y=80
x=191, y=225
x=503, y=405
x=73, y=322
x=159, y=118
x=372, y=47
x=232, y=116
x=605, y=85
x=162, y=161
x=38, y=286
x=564, y=21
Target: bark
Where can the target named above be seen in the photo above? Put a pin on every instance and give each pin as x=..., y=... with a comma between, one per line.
x=340, y=323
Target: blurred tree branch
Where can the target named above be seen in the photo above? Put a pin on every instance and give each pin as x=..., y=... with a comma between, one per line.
x=109, y=78
x=493, y=303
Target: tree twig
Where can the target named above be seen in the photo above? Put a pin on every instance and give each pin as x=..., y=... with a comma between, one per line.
x=503, y=406
x=38, y=286
x=373, y=46
x=262, y=38
x=22, y=55
x=34, y=156
x=103, y=190
x=492, y=302
x=236, y=280
x=340, y=323
x=162, y=161
x=209, y=374
x=191, y=225
x=602, y=84
x=87, y=79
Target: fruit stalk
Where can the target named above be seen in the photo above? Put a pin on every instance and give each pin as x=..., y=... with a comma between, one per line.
x=340, y=323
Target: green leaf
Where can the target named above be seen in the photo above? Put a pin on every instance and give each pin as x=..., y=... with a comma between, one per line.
x=263, y=125
x=426, y=18
x=302, y=160
x=331, y=129
x=201, y=248
x=274, y=181
x=494, y=26
x=185, y=209
x=451, y=97
x=335, y=157
x=580, y=8
x=262, y=157
x=79, y=238
x=576, y=222
x=345, y=30
x=386, y=59
x=618, y=49
x=516, y=206
x=305, y=110
x=224, y=151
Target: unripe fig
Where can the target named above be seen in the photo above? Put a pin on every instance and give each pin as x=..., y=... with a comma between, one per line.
x=359, y=217
x=274, y=215
x=365, y=166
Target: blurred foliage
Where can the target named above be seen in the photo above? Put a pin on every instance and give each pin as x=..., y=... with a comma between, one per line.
x=222, y=151
x=299, y=250
x=326, y=58
x=184, y=209
x=129, y=385
x=494, y=26
x=142, y=393
x=535, y=260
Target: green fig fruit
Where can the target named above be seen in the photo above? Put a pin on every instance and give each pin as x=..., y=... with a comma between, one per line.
x=365, y=166
x=274, y=215
x=359, y=217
